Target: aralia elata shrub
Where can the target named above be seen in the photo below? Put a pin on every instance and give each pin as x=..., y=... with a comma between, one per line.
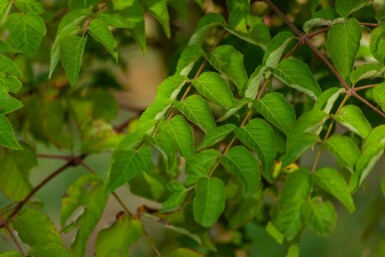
x=257, y=86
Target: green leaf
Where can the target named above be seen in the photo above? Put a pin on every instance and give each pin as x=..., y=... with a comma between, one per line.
x=315, y=22
x=209, y=201
x=174, y=201
x=326, y=100
x=332, y=182
x=289, y=220
x=158, y=9
x=277, y=110
x=295, y=191
x=216, y=135
x=229, y=61
x=75, y=4
x=30, y=6
x=249, y=28
x=12, y=84
x=274, y=232
x=342, y=44
x=37, y=230
x=122, y=4
x=15, y=167
x=370, y=156
x=88, y=194
x=196, y=110
x=376, y=137
x=240, y=162
x=182, y=135
x=297, y=75
x=26, y=32
x=125, y=164
x=366, y=71
x=114, y=241
x=116, y=20
x=351, y=117
x=297, y=145
x=8, y=104
x=212, y=86
x=7, y=136
x=259, y=136
x=71, y=51
x=377, y=43
x=100, y=32
x=200, y=165
x=69, y=25
x=320, y=216
x=297, y=187
x=204, y=27
x=188, y=58
x=276, y=49
x=11, y=254
x=8, y=67
x=156, y=111
x=344, y=149
x=252, y=85
x=185, y=252
x=347, y=7
x=135, y=14
x=239, y=104
x=293, y=251
x=379, y=95
x=171, y=87
x=309, y=122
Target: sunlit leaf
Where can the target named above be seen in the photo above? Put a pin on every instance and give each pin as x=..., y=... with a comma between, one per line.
x=100, y=32
x=185, y=252
x=212, y=86
x=7, y=136
x=216, y=135
x=297, y=75
x=277, y=110
x=26, y=32
x=351, y=117
x=196, y=110
x=276, y=49
x=71, y=51
x=229, y=61
x=158, y=8
x=204, y=27
x=347, y=7
x=344, y=149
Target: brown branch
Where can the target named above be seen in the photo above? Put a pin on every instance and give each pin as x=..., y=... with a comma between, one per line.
x=73, y=162
x=367, y=24
x=356, y=89
x=371, y=106
x=5, y=225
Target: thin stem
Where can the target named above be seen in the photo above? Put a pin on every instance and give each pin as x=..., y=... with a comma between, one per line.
x=14, y=239
x=284, y=18
x=115, y=195
x=153, y=246
x=292, y=51
x=356, y=89
x=315, y=164
x=369, y=24
x=374, y=108
x=263, y=88
x=311, y=35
